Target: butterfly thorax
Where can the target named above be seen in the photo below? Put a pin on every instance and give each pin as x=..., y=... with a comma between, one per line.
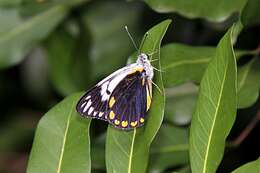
x=143, y=61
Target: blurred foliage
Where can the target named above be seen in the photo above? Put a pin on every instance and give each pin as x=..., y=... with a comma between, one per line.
x=50, y=49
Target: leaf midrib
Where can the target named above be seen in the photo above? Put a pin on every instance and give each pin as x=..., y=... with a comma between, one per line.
x=64, y=140
x=214, y=121
x=131, y=152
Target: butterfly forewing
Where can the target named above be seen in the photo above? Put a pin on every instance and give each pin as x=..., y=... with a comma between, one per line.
x=91, y=105
x=94, y=103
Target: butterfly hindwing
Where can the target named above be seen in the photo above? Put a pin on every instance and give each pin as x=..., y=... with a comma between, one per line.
x=128, y=103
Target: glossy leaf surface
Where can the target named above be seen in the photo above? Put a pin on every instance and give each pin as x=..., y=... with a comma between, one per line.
x=252, y=167
x=17, y=39
x=216, y=109
x=61, y=143
x=202, y=9
x=170, y=148
x=248, y=83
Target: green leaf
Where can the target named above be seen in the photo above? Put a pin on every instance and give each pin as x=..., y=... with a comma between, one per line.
x=17, y=39
x=110, y=44
x=252, y=167
x=67, y=62
x=248, y=83
x=8, y=3
x=128, y=151
x=61, y=141
x=32, y=7
x=250, y=14
x=189, y=62
x=180, y=103
x=198, y=9
x=166, y=151
x=216, y=109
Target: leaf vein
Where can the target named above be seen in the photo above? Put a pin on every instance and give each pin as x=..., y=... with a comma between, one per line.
x=64, y=139
x=214, y=121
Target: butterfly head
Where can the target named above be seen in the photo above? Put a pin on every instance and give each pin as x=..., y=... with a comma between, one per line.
x=143, y=60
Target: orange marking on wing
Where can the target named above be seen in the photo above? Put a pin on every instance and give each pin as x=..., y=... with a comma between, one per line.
x=136, y=69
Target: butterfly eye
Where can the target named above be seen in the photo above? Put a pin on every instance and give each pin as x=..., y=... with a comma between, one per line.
x=144, y=57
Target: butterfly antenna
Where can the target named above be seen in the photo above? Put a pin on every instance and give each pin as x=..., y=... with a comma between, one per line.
x=142, y=42
x=130, y=36
x=157, y=87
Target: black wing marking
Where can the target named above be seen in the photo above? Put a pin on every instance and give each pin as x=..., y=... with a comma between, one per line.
x=128, y=102
x=91, y=105
x=94, y=103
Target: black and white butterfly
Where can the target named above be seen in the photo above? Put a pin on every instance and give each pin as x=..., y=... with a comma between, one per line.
x=123, y=98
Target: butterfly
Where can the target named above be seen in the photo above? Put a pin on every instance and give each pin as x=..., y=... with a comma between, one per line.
x=123, y=98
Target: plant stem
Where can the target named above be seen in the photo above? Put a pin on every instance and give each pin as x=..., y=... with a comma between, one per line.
x=237, y=141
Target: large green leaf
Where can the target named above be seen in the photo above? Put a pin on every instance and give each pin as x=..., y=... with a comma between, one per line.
x=180, y=103
x=169, y=148
x=19, y=34
x=198, y=9
x=248, y=83
x=33, y=7
x=216, y=109
x=110, y=44
x=61, y=141
x=8, y=3
x=250, y=14
x=251, y=167
x=67, y=62
x=182, y=63
x=17, y=39
x=128, y=151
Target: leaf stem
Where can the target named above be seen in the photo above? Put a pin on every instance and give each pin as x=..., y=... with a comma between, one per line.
x=256, y=51
x=243, y=135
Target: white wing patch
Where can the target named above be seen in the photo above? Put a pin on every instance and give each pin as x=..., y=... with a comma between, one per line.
x=94, y=103
x=108, y=87
x=121, y=70
x=113, y=83
x=90, y=110
x=88, y=97
x=103, y=92
x=109, y=83
x=100, y=114
x=87, y=106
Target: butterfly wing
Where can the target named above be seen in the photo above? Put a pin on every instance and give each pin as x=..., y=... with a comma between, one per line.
x=91, y=105
x=94, y=103
x=130, y=101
